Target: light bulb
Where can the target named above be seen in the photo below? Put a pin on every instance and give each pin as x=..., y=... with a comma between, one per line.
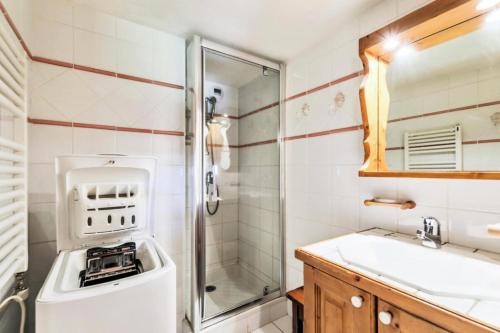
x=487, y=4
x=405, y=51
x=494, y=16
x=391, y=43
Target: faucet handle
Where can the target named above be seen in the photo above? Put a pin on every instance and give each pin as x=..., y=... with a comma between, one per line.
x=432, y=225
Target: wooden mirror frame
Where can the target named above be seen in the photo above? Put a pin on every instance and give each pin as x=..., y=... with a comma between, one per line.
x=430, y=25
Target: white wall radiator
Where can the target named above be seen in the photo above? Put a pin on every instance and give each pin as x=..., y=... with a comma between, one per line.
x=13, y=165
x=439, y=149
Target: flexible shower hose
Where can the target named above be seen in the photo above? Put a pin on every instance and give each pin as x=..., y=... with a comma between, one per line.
x=216, y=208
x=20, y=301
x=211, y=153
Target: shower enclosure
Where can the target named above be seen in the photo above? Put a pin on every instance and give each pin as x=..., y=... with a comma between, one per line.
x=234, y=179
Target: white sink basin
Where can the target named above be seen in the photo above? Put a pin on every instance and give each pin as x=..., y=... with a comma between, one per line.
x=436, y=272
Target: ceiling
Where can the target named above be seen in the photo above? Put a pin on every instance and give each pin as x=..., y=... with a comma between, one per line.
x=276, y=29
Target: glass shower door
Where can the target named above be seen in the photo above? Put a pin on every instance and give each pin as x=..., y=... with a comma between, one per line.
x=241, y=183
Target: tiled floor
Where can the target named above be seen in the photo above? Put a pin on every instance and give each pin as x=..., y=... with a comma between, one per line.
x=282, y=325
x=233, y=290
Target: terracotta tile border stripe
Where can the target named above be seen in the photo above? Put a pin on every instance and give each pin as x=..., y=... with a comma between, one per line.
x=297, y=137
x=477, y=142
x=435, y=113
x=134, y=130
x=103, y=127
x=93, y=126
x=216, y=145
x=93, y=70
x=226, y=116
x=302, y=94
x=249, y=113
x=325, y=85
x=76, y=66
x=175, y=133
x=50, y=122
x=258, y=143
x=327, y=132
x=104, y=72
x=272, y=105
x=246, y=145
x=178, y=133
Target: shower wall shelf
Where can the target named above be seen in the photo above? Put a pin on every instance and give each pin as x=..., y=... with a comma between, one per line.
x=391, y=203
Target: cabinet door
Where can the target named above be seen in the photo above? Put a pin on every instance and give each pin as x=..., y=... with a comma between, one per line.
x=394, y=320
x=333, y=306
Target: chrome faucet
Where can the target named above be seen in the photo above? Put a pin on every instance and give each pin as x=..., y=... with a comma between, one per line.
x=431, y=235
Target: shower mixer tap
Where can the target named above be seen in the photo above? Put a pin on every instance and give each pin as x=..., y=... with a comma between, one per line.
x=212, y=188
x=212, y=191
x=209, y=183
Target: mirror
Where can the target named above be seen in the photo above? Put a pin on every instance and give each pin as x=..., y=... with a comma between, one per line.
x=431, y=94
x=444, y=110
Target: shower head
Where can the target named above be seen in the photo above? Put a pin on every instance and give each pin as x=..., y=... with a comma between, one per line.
x=210, y=111
x=212, y=100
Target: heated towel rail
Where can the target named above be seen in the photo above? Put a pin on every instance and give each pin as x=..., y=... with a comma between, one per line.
x=439, y=149
x=13, y=165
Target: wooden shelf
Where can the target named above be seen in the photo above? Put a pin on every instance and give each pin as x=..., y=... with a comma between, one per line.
x=494, y=230
x=401, y=205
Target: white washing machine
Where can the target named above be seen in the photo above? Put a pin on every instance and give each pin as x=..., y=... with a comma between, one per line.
x=110, y=274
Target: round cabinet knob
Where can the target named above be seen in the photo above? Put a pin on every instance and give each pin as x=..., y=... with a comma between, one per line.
x=385, y=317
x=357, y=301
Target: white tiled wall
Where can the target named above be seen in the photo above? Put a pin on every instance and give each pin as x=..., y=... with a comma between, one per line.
x=74, y=33
x=59, y=93
x=324, y=193
x=61, y=31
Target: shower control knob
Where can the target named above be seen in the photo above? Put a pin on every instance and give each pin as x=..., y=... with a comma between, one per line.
x=357, y=301
x=385, y=317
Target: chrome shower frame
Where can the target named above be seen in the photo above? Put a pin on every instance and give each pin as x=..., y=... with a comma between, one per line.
x=197, y=220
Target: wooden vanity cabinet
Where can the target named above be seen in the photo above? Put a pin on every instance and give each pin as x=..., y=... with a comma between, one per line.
x=328, y=306
x=339, y=301
x=402, y=321
x=334, y=306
